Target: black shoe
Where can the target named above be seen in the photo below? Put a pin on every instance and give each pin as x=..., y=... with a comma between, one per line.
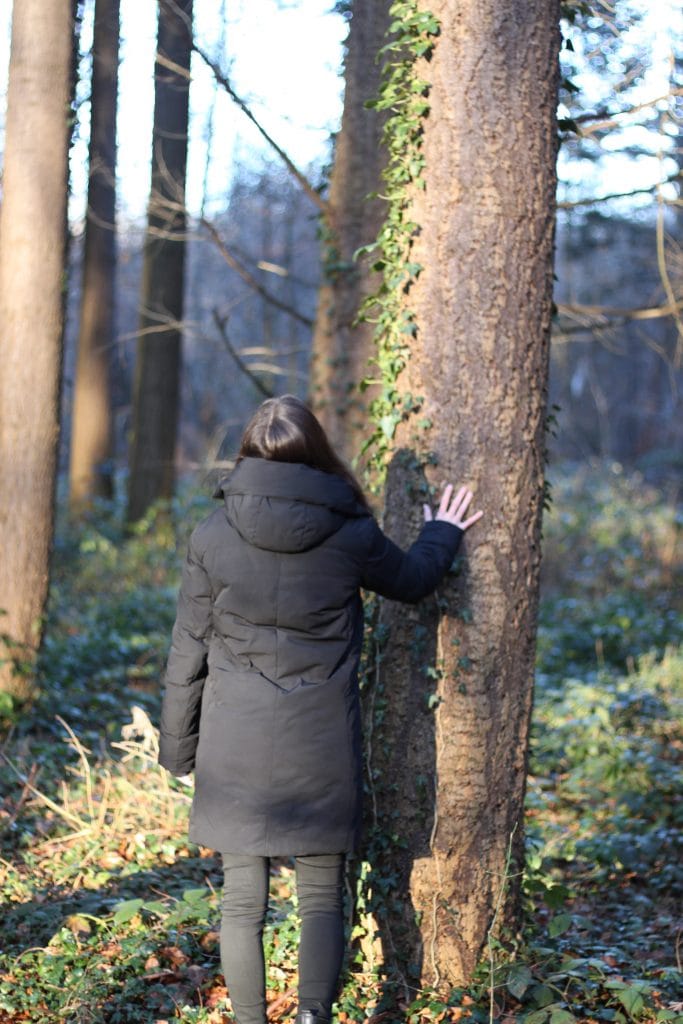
x=311, y=1017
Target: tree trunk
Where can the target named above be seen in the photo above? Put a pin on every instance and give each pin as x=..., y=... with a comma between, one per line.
x=157, y=371
x=32, y=232
x=456, y=687
x=341, y=351
x=91, y=431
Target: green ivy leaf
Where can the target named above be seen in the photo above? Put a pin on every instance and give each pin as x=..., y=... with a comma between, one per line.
x=630, y=995
x=193, y=896
x=560, y=1016
x=536, y=1017
x=387, y=425
x=156, y=907
x=518, y=980
x=541, y=995
x=555, y=895
x=559, y=925
x=127, y=910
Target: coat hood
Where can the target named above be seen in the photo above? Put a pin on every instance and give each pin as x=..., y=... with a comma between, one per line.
x=286, y=506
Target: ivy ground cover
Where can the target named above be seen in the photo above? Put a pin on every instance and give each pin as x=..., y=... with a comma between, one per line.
x=109, y=915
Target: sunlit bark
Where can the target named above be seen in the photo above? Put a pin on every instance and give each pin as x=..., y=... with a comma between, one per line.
x=32, y=242
x=451, y=750
x=341, y=350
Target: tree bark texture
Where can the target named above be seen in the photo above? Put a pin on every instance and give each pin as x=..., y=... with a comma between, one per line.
x=340, y=350
x=92, y=432
x=157, y=371
x=32, y=241
x=449, y=758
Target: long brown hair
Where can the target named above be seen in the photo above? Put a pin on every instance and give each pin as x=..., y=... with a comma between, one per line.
x=285, y=430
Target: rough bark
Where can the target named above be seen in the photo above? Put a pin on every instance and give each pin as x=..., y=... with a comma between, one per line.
x=454, y=773
x=340, y=351
x=92, y=430
x=157, y=371
x=32, y=232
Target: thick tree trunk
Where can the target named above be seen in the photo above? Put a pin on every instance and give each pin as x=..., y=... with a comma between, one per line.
x=341, y=351
x=452, y=747
x=91, y=431
x=32, y=231
x=157, y=372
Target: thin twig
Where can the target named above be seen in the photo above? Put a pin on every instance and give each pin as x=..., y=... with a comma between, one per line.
x=41, y=796
x=666, y=281
x=81, y=751
x=621, y=313
x=223, y=80
x=606, y=117
x=34, y=771
x=220, y=324
x=249, y=278
x=277, y=1004
x=620, y=195
x=494, y=920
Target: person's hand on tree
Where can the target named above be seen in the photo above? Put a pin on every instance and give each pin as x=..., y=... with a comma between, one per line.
x=452, y=510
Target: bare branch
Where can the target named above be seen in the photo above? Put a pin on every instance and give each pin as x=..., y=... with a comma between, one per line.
x=222, y=80
x=171, y=65
x=666, y=282
x=221, y=323
x=604, y=119
x=273, y=268
x=678, y=176
x=608, y=115
x=249, y=278
x=602, y=314
x=278, y=371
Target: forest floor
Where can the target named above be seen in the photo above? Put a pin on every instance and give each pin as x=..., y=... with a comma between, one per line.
x=109, y=914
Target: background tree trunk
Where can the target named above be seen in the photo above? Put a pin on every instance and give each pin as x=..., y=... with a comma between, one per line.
x=157, y=371
x=91, y=433
x=457, y=688
x=32, y=233
x=340, y=352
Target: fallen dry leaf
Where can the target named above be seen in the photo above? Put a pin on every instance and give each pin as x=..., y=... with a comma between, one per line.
x=173, y=955
x=216, y=994
x=78, y=925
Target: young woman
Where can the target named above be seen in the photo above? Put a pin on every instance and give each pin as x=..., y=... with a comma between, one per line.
x=261, y=692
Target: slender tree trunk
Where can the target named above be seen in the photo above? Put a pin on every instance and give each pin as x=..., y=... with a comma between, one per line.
x=341, y=351
x=157, y=372
x=452, y=747
x=32, y=230
x=91, y=432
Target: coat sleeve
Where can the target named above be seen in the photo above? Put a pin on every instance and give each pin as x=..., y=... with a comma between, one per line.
x=410, y=575
x=186, y=668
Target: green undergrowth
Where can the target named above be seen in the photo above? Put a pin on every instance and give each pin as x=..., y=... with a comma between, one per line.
x=110, y=915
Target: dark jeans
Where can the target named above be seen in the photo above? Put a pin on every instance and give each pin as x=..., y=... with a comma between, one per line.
x=321, y=948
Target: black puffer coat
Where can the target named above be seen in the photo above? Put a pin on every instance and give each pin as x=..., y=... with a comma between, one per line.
x=261, y=695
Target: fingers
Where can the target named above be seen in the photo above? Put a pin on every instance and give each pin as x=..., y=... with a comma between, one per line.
x=460, y=503
x=453, y=509
x=428, y=514
x=465, y=525
x=445, y=498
